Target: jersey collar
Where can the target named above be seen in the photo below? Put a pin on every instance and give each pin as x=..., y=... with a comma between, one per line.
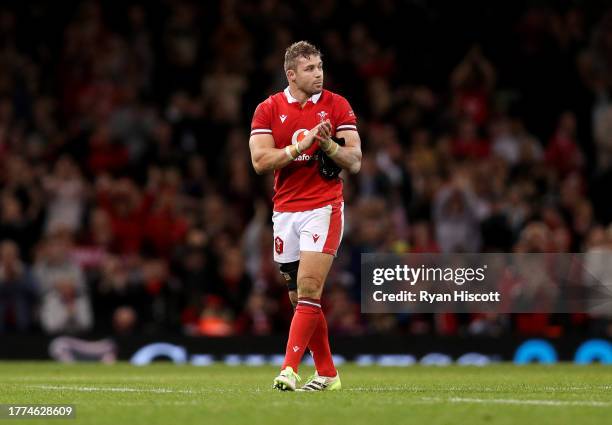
x=314, y=98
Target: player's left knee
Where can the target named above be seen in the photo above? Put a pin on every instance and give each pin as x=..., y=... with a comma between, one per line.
x=309, y=286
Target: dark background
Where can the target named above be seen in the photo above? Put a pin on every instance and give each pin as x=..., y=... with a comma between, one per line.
x=129, y=204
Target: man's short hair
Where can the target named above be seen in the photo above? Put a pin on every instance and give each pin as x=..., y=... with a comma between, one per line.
x=300, y=49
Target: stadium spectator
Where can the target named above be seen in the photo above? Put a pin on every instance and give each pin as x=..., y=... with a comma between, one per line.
x=124, y=168
x=456, y=218
x=65, y=307
x=54, y=263
x=66, y=191
x=18, y=290
x=562, y=152
x=124, y=321
x=472, y=82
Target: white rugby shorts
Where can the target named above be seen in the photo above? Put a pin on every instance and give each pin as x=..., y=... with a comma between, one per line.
x=318, y=230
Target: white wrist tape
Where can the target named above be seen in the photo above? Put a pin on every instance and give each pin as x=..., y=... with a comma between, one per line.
x=333, y=150
x=288, y=152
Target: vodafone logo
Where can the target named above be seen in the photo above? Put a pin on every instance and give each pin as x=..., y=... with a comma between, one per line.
x=298, y=136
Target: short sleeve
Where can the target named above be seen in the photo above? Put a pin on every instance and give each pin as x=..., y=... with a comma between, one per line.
x=345, y=118
x=261, y=123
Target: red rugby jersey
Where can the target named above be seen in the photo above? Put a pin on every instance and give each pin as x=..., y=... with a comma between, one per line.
x=298, y=186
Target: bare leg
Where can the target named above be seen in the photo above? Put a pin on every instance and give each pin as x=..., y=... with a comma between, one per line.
x=314, y=267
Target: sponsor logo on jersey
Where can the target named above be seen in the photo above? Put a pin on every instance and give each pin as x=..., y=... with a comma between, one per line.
x=282, y=118
x=298, y=136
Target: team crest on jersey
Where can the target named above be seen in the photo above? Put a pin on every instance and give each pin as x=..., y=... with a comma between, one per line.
x=322, y=115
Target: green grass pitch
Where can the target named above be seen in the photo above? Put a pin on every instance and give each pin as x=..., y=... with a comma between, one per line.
x=169, y=394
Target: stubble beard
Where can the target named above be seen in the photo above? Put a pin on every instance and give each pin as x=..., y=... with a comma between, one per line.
x=311, y=90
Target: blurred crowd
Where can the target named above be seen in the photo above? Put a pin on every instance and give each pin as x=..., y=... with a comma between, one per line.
x=128, y=203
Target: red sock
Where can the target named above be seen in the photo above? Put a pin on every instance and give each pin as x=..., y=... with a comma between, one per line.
x=303, y=324
x=319, y=346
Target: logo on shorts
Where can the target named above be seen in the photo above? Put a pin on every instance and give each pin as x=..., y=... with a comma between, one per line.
x=315, y=237
x=278, y=245
x=296, y=348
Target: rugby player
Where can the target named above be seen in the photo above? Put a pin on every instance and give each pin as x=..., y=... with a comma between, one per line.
x=306, y=135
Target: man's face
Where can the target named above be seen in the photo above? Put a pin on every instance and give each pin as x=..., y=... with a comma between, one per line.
x=308, y=75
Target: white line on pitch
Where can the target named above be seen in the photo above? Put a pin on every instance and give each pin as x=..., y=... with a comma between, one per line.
x=520, y=402
x=476, y=389
x=141, y=390
x=110, y=389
